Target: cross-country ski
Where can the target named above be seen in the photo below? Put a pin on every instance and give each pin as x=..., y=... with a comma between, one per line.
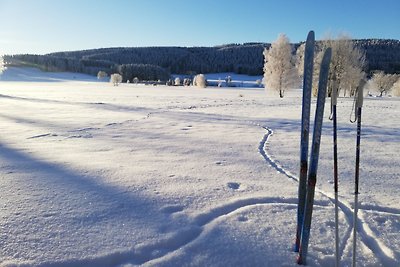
x=314, y=156
x=305, y=129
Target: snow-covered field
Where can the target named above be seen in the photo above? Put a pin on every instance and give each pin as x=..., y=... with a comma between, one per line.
x=97, y=175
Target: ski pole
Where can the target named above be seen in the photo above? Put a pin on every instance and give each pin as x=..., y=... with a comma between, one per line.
x=335, y=168
x=359, y=103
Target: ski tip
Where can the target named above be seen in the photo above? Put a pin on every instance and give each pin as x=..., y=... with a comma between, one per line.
x=311, y=35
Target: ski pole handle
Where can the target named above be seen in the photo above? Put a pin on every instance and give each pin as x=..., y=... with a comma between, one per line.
x=360, y=95
x=334, y=96
x=334, y=93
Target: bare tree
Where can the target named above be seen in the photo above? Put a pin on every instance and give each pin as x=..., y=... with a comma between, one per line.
x=279, y=71
x=346, y=66
x=116, y=79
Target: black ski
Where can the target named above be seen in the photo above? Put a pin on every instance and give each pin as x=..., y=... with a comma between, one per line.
x=334, y=94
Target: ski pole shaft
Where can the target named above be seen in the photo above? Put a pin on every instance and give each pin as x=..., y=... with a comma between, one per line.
x=335, y=169
x=334, y=119
x=356, y=185
x=359, y=104
x=335, y=175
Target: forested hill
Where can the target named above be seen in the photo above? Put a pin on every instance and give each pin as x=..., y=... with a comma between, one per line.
x=381, y=54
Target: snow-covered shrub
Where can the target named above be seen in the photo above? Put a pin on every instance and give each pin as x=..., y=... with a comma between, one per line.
x=135, y=80
x=200, y=81
x=187, y=82
x=177, y=81
x=382, y=82
x=101, y=75
x=228, y=81
x=116, y=79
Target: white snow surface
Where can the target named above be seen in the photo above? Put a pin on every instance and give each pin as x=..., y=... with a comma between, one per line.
x=134, y=175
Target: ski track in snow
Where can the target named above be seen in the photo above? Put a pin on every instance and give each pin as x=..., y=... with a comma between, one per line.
x=145, y=253
x=179, y=240
x=385, y=255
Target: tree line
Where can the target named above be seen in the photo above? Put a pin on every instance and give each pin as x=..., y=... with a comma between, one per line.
x=159, y=62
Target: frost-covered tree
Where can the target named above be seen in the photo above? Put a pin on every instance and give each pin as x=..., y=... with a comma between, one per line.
x=346, y=66
x=279, y=70
x=300, y=66
x=200, y=81
x=116, y=79
x=299, y=62
x=351, y=80
x=1, y=65
x=396, y=88
x=383, y=83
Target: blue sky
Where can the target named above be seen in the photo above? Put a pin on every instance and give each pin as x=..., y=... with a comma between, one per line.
x=43, y=26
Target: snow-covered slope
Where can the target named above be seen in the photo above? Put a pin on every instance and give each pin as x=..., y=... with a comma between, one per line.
x=16, y=74
x=97, y=175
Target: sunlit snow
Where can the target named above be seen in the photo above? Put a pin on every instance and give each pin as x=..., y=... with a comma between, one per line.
x=98, y=175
